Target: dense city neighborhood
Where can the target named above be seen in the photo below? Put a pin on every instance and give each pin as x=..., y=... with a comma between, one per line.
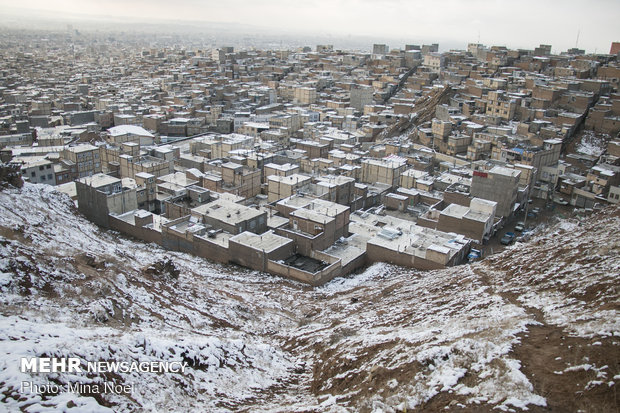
x=312, y=163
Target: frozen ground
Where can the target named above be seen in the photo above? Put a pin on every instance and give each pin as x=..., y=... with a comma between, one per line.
x=489, y=336
x=591, y=144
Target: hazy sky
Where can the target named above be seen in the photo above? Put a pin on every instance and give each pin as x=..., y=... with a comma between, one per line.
x=519, y=23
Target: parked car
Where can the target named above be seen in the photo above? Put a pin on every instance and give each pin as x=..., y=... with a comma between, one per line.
x=536, y=210
x=508, y=238
x=474, y=255
x=560, y=201
x=525, y=236
x=520, y=226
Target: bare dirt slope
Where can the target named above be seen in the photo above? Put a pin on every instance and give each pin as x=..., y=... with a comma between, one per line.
x=535, y=327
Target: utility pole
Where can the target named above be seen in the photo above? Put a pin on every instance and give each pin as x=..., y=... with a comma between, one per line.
x=577, y=41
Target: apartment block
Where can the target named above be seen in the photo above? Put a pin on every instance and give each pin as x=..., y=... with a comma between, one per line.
x=386, y=171
x=86, y=157
x=99, y=195
x=284, y=186
x=231, y=217
x=499, y=184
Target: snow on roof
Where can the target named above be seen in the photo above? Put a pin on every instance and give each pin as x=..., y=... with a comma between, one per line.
x=500, y=170
x=129, y=130
x=98, y=180
x=439, y=248
x=267, y=241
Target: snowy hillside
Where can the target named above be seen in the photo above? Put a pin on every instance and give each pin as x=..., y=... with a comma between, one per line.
x=534, y=327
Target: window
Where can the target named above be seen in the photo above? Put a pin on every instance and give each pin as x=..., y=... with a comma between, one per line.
x=41, y=168
x=48, y=166
x=318, y=228
x=33, y=174
x=49, y=176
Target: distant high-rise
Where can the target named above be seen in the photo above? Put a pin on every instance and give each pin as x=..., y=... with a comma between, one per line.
x=361, y=96
x=380, y=49
x=615, y=48
x=543, y=50
x=430, y=48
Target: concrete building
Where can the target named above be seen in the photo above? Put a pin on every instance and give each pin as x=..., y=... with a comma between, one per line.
x=380, y=49
x=100, y=195
x=39, y=171
x=132, y=165
x=475, y=221
x=146, y=191
x=231, y=217
x=284, y=186
x=614, y=195
x=316, y=225
x=361, y=96
x=401, y=242
x=130, y=133
x=386, y=171
x=85, y=156
x=255, y=251
x=280, y=170
x=240, y=180
x=435, y=62
x=500, y=184
x=501, y=105
x=305, y=95
x=535, y=156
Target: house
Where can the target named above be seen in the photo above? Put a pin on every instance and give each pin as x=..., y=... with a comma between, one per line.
x=240, y=180
x=500, y=184
x=398, y=241
x=475, y=221
x=99, y=195
x=130, y=133
x=386, y=171
x=85, y=156
x=284, y=186
x=231, y=217
x=38, y=171
x=314, y=225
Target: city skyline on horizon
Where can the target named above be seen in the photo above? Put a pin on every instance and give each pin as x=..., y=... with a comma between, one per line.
x=562, y=25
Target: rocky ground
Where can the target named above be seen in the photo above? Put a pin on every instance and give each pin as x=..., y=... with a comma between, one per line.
x=535, y=327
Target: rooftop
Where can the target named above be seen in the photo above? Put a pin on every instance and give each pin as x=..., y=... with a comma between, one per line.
x=129, y=130
x=500, y=170
x=409, y=238
x=266, y=242
x=227, y=211
x=291, y=179
x=177, y=178
x=81, y=148
x=99, y=180
x=313, y=216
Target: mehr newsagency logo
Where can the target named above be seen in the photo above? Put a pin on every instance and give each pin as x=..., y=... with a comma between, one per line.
x=76, y=365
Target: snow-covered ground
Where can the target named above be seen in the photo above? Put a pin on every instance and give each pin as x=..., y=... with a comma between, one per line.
x=591, y=144
x=386, y=339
